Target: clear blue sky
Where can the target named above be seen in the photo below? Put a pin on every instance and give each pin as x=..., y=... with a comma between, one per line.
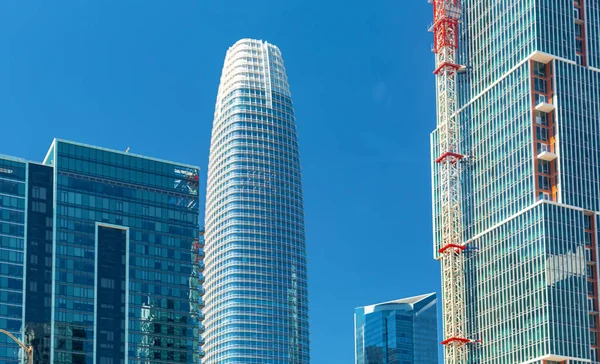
x=144, y=74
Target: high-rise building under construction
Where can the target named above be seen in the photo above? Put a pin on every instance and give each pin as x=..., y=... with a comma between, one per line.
x=516, y=179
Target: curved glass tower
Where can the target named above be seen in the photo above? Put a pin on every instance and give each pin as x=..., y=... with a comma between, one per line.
x=256, y=292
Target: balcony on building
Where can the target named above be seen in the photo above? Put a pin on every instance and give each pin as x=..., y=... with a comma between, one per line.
x=545, y=152
x=578, y=16
x=544, y=196
x=542, y=104
x=542, y=57
x=552, y=358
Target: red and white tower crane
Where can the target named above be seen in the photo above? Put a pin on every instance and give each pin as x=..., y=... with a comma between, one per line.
x=451, y=253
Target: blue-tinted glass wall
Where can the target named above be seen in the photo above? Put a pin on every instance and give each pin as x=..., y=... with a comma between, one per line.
x=397, y=332
x=13, y=191
x=154, y=204
x=38, y=283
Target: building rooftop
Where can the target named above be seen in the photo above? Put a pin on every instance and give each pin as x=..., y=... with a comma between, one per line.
x=409, y=301
x=116, y=151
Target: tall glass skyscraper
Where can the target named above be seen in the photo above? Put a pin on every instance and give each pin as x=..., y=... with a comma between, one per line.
x=256, y=291
x=100, y=258
x=403, y=331
x=529, y=106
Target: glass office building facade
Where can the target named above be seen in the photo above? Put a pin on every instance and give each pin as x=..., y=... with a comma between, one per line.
x=397, y=332
x=256, y=291
x=104, y=256
x=13, y=177
x=529, y=110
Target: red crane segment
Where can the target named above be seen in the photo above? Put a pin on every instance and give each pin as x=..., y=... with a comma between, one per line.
x=445, y=23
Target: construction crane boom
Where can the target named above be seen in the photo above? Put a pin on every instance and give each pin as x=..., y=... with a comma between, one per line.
x=445, y=28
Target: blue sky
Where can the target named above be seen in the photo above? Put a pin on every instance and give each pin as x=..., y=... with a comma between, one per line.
x=144, y=74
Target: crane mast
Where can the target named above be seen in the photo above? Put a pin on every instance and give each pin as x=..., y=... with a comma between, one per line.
x=451, y=253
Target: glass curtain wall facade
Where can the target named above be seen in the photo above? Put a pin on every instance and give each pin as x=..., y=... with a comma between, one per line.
x=113, y=251
x=529, y=110
x=397, y=332
x=256, y=291
x=38, y=282
x=13, y=190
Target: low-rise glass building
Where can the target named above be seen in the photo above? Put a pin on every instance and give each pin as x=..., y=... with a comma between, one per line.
x=397, y=332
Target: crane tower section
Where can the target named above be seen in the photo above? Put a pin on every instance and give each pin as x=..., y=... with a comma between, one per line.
x=451, y=257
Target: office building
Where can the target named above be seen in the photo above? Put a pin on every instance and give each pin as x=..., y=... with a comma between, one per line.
x=256, y=291
x=98, y=253
x=521, y=97
x=403, y=331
